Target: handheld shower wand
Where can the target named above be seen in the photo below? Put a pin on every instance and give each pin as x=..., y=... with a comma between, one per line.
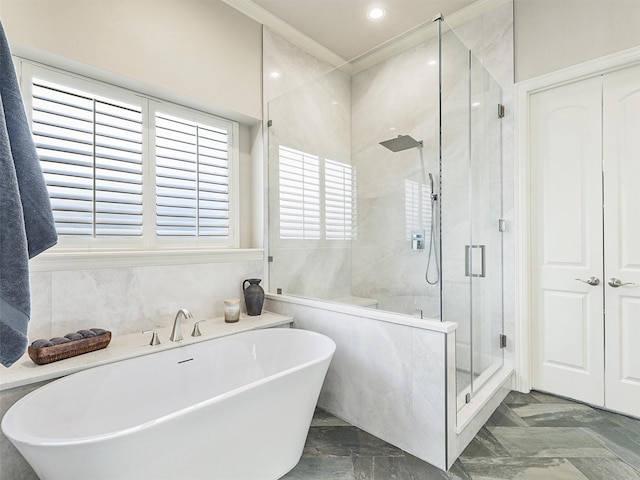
x=434, y=195
x=432, y=238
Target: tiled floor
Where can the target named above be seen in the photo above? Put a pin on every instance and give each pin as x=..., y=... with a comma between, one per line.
x=530, y=437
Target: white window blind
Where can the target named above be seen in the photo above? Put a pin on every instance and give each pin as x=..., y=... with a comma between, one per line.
x=128, y=172
x=340, y=201
x=90, y=148
x=192, y=178
x=299, y=191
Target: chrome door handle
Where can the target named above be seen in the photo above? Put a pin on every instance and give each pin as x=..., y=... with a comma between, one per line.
x=593, y=281
x=616, y=282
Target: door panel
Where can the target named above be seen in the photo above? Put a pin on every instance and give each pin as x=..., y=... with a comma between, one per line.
x=566, y=216
x=621, y=149
x=564, y=315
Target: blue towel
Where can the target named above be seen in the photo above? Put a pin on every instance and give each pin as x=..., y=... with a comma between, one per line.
x=26, y=221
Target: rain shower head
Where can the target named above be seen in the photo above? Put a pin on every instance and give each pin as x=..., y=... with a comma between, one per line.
x=401, y=142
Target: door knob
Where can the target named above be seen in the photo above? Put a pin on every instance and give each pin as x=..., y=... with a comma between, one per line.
x=593, y=281
x=616, y=282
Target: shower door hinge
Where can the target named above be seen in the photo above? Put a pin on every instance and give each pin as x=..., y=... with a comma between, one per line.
x=500, y=110
x=502, y=225
x=503, y=340
x=270, y=259
x=269, y=123
x=467, y=398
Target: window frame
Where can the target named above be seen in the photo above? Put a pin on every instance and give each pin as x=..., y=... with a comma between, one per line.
x=83, y=249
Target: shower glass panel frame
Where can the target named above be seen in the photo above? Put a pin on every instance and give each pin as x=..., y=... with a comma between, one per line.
x=344, y=211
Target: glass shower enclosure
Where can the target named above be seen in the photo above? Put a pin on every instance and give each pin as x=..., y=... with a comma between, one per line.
x=385, y=187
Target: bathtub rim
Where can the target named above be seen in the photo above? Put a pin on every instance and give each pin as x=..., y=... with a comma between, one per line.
x=34, y=441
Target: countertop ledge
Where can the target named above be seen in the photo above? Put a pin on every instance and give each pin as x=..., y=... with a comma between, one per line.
x=122, y=347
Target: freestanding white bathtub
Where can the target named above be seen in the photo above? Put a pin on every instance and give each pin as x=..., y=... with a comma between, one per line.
x=237, y=407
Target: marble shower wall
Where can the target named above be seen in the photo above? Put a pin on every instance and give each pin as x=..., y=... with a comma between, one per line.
x=398, y=96
x=309, y=106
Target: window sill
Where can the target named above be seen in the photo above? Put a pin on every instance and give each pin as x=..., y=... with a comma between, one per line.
x=79, y=260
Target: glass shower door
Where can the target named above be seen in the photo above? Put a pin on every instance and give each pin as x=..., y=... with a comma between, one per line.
x=485, y=259
x=471, y=169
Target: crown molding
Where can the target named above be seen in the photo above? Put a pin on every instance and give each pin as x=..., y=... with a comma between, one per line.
x=386, y=50
x=260, y=15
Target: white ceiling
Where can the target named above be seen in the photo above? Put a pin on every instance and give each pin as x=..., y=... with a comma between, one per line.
x=342, y=25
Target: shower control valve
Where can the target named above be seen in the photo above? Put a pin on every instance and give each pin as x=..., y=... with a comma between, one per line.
x=417, y=239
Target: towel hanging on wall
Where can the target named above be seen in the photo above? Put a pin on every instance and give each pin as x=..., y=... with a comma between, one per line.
x=26, y=220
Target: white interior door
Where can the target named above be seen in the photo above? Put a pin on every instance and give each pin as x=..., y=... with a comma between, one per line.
x=566, y=239
x=621, y=153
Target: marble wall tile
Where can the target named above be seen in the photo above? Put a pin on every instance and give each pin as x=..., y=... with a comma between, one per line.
x=40, y=321
x=295, y=66
x=311, y=272
x=126, y=300
x=104, y=298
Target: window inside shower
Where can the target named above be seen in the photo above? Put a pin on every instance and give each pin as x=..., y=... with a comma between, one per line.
x=385, y=186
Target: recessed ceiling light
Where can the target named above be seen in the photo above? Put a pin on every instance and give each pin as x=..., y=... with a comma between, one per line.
x=376, y=13
x=274, y=74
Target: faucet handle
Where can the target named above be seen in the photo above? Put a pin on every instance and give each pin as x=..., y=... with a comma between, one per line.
x=154, y=338
x=196, y=329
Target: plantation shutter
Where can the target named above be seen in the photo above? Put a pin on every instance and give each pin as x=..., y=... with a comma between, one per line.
x=90, y=150
x=192, y=178
x=339, y=198
x=299, y=189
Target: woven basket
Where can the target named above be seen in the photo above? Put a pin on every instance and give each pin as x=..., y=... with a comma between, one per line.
x=45, y=355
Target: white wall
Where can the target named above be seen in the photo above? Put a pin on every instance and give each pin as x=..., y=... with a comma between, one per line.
x=202, y=50
x=553, y=34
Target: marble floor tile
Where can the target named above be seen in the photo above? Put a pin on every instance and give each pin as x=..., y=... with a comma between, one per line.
x=548, y=442
x=531, y=436
x=322, y=468
x=484, y=444
x=628, y=423
x=620, y=441
x=347, y=441
x=505, y=416
x=324, y=419
x=517, y=398
x=546, y=398
x=605, y=468
x=561, y=415
x=407, y=467
x=523, y=469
